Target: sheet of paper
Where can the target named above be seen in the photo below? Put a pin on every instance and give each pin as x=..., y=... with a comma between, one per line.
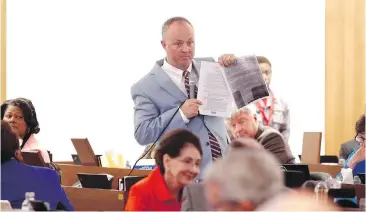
x=213, y=92
x=245, y=81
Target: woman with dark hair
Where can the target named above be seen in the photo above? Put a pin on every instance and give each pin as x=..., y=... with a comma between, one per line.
x=21, y=115
x=356, y=160
x=178, y=159
x=18, y=178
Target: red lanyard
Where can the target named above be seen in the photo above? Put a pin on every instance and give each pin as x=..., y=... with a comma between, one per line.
x=266, y=120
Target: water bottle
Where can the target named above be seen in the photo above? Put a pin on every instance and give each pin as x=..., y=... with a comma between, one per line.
x=26, y=205
x=341, y=162
x=128, y=164
x=356, y=180
x=321, y=191
x=333, y=183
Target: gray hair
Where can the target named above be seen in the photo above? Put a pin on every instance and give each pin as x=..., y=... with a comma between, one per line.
x=168, y=22
x=243, y=142
x=246, y=174
x=235, y=110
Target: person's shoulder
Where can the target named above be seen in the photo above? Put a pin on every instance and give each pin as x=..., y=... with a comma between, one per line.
x=350, y=143
x=32, y=143
x=271, y=132
x=142, y=185
x=146, y=79
x=143, y=82
x=42, y=173
x=195, y=188
x=279, y=98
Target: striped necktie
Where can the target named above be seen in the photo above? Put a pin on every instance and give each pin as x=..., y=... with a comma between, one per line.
x=214, y=144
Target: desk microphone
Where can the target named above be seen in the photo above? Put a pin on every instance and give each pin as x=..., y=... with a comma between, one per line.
x=154, y=143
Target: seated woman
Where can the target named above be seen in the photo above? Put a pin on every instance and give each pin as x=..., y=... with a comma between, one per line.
x=356, y=160
x=178, y=160
x=22, y=117
x=18, y=178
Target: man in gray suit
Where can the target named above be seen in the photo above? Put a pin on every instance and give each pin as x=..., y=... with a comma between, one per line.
x=163, y=100
x=243, y=123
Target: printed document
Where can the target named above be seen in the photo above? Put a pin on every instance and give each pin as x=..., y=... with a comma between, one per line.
x=245, y=81
x=213, y=91
x=220, y=87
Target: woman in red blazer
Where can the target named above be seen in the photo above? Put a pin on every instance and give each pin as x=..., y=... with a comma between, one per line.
x=178, y=160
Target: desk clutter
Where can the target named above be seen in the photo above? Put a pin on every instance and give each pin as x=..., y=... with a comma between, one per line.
x=103, y=182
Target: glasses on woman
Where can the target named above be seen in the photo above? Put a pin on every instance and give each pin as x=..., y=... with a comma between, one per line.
x=360, y=138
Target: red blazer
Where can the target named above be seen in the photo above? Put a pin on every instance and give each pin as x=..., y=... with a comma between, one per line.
x=151, y=194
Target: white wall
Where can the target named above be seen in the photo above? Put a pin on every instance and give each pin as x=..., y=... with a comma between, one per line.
x=76, y=60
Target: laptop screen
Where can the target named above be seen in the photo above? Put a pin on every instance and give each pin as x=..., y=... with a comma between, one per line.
x=298, y=167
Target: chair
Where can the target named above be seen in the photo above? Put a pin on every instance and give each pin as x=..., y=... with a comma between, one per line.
x=311, y=147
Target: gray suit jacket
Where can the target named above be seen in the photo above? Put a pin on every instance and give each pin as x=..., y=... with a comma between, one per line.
x=347, y=148
x=194, y=198
x=157, y=100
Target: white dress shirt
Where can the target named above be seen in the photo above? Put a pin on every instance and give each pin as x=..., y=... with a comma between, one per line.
x=176, y=75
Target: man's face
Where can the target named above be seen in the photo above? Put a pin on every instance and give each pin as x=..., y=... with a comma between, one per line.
x=243, y=124
x=178, y=42
x=266, y=72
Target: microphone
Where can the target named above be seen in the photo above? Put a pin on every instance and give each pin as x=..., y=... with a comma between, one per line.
x=192, y=85
x=154, y=143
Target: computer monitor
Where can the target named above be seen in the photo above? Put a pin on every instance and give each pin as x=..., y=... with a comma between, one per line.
x=85, y=152
x=298, y=167
x=101, y=181
x=128, y=182
x=294, y=179
x=77, y=161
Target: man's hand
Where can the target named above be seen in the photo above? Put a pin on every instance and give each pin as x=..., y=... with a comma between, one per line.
x=227, y=60
x=190, y=108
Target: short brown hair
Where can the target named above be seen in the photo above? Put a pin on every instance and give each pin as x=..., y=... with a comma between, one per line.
x=9, y=142
x=173, y=142
x=263, y=59
x=168, y=22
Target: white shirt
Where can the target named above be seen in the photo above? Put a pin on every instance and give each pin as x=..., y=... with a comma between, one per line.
x=176, y=75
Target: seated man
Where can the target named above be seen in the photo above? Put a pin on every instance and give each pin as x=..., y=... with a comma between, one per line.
x=243, y=123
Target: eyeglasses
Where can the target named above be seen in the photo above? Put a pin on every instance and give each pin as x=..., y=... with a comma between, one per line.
x=360, y=138
x=267, y=72
x=190, y=162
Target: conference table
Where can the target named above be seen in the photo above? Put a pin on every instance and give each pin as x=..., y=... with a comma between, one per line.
x=113, y=200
